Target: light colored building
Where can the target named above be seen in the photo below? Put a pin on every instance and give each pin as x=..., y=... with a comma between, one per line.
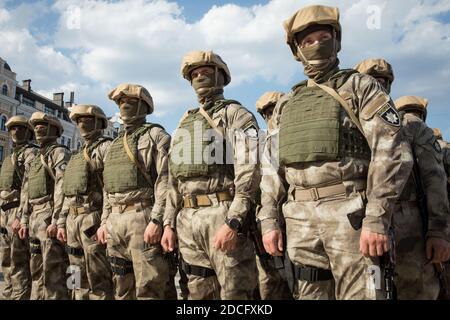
x=8, y=105
x=31, y=101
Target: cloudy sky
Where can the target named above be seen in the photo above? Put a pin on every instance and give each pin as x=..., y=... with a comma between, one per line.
x=91, y=46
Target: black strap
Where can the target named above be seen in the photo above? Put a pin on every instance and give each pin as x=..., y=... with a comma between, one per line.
x=121, y=266
x=35, y=241
x=77, y=252
x=121, y=262
x=197, y=270
x=310, y=274
x=10, y=205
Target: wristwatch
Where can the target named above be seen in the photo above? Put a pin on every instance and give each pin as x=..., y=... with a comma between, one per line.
x=233, y=223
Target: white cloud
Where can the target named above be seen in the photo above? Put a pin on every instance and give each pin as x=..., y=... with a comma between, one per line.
x=143, y=42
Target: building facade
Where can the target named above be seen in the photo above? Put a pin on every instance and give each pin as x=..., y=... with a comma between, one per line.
x=31, y=101
x=8, y=106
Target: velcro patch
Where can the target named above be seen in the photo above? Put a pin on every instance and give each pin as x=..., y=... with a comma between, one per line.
x=390, y=115
x=252, y=132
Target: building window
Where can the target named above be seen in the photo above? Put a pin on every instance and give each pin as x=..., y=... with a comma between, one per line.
x=5, y=90
x=28, y=102
x=1, y=153
x=78, y=145
x=69, y=143
x=48, y=110
x=3, y=123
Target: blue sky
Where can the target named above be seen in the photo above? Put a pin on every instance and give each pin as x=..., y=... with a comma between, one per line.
x=143, y=42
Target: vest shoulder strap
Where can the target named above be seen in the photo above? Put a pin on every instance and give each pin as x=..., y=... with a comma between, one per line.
x=44, y=158
x=343, y=103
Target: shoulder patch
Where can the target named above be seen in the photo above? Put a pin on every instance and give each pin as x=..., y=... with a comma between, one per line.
x=437, y=146
x=63, y=166
x=390, y=115
x=252, y=132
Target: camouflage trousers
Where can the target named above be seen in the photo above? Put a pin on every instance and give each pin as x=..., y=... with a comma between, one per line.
x=140, y=271
x=415, y=279
x=319, y=235
x=49, y=261
x=89, y=258
x=235, y=272
x=271, y=285
x=15, y=260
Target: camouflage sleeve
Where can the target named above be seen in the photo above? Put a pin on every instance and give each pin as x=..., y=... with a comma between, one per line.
x=243, y=134
x=173, y=202
x=106, y=210
x=160, y=156
x=59, y=159
x=272, y=186
x=391, y=160
x=429, y=159
x=63, y=214
x=24, y=210
x=446, y=153
x=273, y=181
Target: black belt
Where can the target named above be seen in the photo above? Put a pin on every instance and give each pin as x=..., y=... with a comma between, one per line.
x=10, y=205
x=77, y=252
x=120, y=266
x=197, y=270
x=310, y=274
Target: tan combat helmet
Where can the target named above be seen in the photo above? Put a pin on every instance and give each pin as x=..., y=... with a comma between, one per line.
x=309, y=16
x=82, y=110
x=196, y=59
x=412, y=103
x=437, y=133
x=132, y=91
x=18, y=121
x=267, y=100
x=376, y=68
x=47, y=118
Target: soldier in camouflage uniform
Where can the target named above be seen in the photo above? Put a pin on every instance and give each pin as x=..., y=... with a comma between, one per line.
x=445, y=146
x=41, y=205
x=212, y=187
x=341, y=153
x=380, y=69
x=416, y=279
x=135, y=186
x=15, y=252
x=271, y=284
x=80, y=217
x=420, y=248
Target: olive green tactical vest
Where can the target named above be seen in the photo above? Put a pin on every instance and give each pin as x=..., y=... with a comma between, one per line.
x=78, y=177
x=194, y=168
x=11, y=175
x=120, y=174
x=311, y=127
x=40, y=184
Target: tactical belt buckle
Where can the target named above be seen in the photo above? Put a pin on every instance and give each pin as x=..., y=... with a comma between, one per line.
x=314, y=194
x=193, y=201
